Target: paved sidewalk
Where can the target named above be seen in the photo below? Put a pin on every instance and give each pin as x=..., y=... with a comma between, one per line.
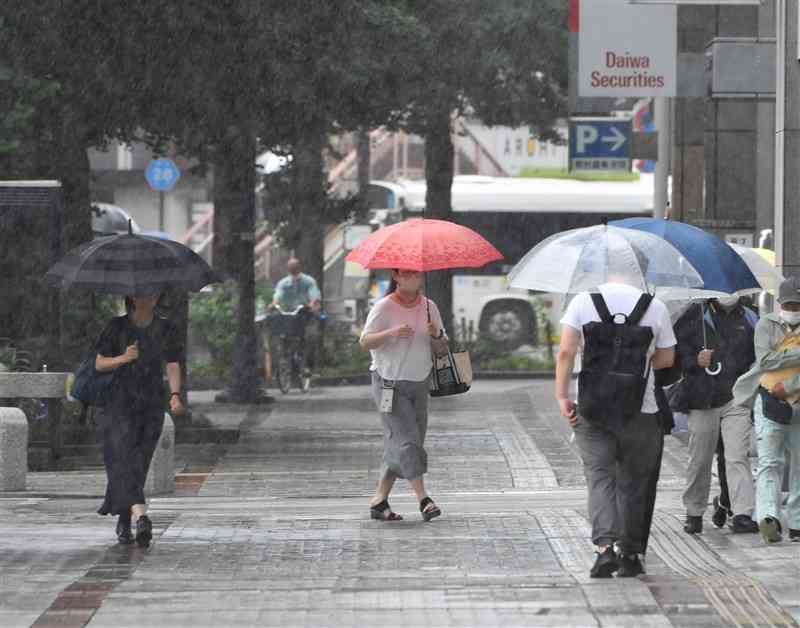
x=274, y=531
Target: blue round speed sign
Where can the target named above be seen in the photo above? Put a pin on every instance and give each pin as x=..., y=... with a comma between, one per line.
x=162, y=174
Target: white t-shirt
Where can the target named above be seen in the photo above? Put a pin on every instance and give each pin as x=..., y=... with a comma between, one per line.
x=621, y=299
x=407, y=359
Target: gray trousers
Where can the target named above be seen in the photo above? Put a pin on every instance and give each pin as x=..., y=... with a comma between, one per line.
x=620, y=466
x=404, y=428
x=705, y=426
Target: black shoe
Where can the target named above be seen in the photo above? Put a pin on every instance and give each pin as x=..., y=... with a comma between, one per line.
x=744, y=524
x=693, y=525
x=770, y=529
x=144, y=531
x=721, y=513
x=630, y=566
x=794, y=535
x=124, y=534
x=605, y=564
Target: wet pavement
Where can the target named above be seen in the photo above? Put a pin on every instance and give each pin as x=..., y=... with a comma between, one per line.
x=274, y=531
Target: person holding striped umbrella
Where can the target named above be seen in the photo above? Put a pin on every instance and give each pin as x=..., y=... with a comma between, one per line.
x=136, y=348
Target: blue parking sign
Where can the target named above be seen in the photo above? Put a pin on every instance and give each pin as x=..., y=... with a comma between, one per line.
x=600, y=144
x=162, y=174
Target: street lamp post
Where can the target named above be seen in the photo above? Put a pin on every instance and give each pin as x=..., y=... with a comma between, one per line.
x=780, y=125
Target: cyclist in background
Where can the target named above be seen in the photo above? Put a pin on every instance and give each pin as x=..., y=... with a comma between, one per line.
x=298, y=289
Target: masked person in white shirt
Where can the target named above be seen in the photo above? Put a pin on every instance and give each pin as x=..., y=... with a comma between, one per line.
x=772, y=388
x=622, y=337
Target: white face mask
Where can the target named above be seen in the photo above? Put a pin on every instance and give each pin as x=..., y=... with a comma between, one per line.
x=728, y=302
x=791, y=318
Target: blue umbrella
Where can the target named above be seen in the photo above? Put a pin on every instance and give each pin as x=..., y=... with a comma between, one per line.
x=721, y=268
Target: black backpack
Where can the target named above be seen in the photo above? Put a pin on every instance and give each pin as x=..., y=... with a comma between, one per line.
x=613, y=378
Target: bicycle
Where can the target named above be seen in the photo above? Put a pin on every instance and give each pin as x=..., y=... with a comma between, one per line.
x=289, y=329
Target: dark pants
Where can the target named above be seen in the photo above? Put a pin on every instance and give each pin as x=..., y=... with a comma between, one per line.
x=724, y=495
x=129, y=438
x=621, y=467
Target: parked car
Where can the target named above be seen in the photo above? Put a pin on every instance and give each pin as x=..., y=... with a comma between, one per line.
x=108, y=219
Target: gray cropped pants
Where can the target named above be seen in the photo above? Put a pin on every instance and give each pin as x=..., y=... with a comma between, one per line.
x=404, y=428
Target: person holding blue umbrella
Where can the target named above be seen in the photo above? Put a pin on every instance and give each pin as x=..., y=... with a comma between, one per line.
x=715, y=347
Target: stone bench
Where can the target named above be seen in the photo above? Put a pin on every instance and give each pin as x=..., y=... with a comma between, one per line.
x=52, y=387
x=13, y=449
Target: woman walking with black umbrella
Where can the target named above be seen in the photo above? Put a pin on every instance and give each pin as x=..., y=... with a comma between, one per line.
x=131, y=413
x=135, y=348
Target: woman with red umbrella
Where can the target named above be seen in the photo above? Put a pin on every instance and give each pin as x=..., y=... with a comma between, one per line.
x=400, y=337
x=402, y=331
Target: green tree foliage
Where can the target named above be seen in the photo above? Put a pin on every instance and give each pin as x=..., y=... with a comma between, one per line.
x=501, y=62
x=69, y=88
x=342, y=66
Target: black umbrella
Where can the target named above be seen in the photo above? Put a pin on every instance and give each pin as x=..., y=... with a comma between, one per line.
x=131, y=265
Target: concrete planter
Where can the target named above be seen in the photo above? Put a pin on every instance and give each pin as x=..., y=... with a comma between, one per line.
x=33, y=385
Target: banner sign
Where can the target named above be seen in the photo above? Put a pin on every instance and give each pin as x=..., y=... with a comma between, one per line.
x=627, y=49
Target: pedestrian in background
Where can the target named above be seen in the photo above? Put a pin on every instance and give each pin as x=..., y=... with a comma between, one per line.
x=715, y=347
x=402, y=331
x=130, y=416
x=297, y=289
x=772, y=387
x=623, y=335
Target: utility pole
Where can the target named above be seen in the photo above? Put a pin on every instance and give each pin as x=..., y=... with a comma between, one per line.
x=664, y=125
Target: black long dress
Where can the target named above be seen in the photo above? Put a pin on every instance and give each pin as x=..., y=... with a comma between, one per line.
x=130, y=416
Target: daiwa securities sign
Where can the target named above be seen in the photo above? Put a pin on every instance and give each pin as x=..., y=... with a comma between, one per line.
x=626, y=49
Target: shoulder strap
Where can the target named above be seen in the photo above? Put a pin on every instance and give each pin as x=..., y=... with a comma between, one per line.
x=750, y=316
x=601, y=307
x=641, y=308
x=124, y=335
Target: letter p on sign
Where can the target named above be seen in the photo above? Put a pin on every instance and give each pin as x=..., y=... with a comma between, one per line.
x=585, y=135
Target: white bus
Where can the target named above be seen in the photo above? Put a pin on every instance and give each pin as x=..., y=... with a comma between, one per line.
x=514, y=214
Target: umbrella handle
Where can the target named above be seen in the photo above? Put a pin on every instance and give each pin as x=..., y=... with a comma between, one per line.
x=427, y=303
x=716, y=370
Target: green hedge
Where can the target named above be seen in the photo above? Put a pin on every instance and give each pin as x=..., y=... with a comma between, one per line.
x=212, y=315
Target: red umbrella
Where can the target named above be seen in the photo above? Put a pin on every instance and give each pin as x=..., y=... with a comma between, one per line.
x=423, y=244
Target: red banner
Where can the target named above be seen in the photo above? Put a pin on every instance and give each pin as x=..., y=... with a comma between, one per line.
x=573, y=15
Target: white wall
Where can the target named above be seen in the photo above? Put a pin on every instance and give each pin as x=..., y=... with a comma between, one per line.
x=515, y=149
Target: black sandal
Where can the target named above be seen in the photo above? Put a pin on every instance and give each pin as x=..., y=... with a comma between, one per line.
x=383, y=512
x=429, y=513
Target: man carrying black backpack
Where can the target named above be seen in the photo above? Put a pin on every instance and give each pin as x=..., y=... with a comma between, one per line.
x=623, y=335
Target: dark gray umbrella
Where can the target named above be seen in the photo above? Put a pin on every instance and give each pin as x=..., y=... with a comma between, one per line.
x=131, y=265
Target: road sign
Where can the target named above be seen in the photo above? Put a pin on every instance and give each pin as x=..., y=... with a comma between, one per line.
x=600, y=144
x=162, y=174
x=627, y=49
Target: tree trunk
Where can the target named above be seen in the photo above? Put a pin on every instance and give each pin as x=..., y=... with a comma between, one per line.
x=363, y=163
x=310, y=198
x=67, y=160
x=439, y=152
x=223, y=249
x=234, y=201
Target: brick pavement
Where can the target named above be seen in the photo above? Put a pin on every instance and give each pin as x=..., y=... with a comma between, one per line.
x=275, y=533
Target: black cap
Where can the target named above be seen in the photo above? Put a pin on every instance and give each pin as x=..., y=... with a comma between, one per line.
x=789, y=291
